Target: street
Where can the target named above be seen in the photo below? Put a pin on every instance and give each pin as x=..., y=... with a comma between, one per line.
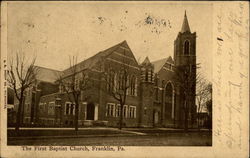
x=158, y=139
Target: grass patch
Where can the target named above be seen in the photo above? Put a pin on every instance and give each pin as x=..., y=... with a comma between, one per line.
x=33, y=133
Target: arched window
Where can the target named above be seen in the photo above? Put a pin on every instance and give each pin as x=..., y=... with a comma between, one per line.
x=115, y=81
x=121, y=81
x=130, y=89
x=128, y=85
x=186, y=47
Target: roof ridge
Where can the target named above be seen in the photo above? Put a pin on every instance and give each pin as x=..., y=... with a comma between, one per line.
x=119, y=44
x=47, y=68
x=100, y=52
x=160, y=60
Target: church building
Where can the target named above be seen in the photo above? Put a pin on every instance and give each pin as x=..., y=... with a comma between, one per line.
x=154, y=98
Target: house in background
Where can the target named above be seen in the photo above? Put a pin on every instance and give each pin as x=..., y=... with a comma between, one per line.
x=44, y=84
x=153, y=98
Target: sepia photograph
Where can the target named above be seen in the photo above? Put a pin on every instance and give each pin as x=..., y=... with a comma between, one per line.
x=124, y=79
x=109, y=74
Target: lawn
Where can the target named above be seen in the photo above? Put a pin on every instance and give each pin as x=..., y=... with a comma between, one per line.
x=61, y=132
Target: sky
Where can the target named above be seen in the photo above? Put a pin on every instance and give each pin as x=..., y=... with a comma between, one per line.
x=53, y=31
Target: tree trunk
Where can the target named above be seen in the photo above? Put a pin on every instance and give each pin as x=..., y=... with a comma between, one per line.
x=76, y=116
x=186, y=115
x=121, y=118
x=18, y=118
x=198, y=120
x=186, y=120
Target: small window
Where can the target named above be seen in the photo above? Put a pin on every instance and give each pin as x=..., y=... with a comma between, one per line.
x=51, y=108
x=118, y=110
x=69, y=108
x=145, y=111
x=125, y=111
x=156, y=93
x=72, y=109
x=132, y=111
x=110, y=110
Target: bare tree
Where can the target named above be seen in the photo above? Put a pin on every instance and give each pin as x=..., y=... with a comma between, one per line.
x=74, y=82
x=203, y=94
x=21, y=75
x=118, y=84
x=187, y=78
x=209, y=106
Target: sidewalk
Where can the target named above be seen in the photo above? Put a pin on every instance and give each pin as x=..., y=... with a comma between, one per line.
x=50, y=133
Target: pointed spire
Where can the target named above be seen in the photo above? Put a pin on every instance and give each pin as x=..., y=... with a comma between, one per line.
x=185, y=26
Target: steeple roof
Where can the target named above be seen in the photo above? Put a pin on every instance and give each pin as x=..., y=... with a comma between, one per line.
x=185, y=26
x=146, y=61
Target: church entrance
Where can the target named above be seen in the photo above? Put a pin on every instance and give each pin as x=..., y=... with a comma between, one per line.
x=90, y=111
x=169, y=103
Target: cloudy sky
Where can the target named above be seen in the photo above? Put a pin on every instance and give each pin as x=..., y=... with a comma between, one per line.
x=54, y=30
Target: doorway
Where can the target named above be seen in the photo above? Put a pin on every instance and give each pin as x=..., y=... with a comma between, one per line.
x=90, y=111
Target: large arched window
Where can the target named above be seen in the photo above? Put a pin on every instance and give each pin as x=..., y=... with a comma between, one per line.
x=169, y=101
x=132, y=85
x=186, y=47
x=121, y=81
x=128, y=82
x=110, y=81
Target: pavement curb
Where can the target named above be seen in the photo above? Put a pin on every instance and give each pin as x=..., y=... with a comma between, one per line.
x=72, y=136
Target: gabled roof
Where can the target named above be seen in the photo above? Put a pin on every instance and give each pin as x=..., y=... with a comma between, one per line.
x=90, y=62
x=170, y=60
x=46, y=74
x=185, y=26
x=158, y=64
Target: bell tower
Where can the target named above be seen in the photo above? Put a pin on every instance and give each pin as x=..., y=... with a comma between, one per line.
x=185, y=63
x=185, y=45
x=146, y=95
